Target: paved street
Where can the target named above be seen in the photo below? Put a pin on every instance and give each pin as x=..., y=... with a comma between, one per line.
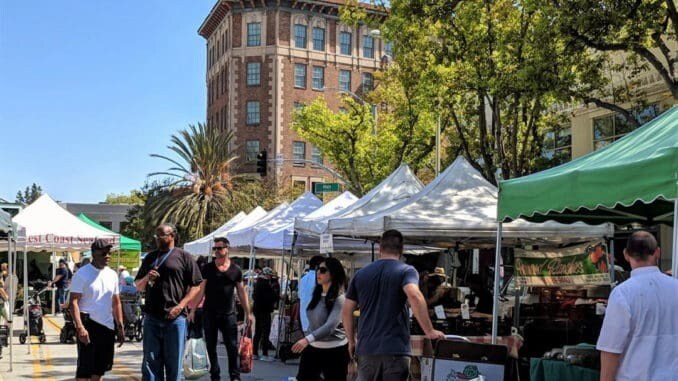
x=55, y=361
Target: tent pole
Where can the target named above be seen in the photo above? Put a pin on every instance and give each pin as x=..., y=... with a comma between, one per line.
x=27, y=332
x=495, y=294
x=611, y=257
x=674, y=258
x=53, y=276
x=12, y=291
x=372, y=251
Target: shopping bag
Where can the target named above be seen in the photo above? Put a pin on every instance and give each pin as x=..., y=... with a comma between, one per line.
x=246, y=351
x=196, y=361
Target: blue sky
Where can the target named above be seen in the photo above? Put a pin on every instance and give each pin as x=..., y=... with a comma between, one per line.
x=88, y=89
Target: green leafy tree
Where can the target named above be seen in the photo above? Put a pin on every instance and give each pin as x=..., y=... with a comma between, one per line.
x=199, y=185
x=362, y=151
x=494, y=73
x=134, y=197
x=29, y=194
x=644, y=32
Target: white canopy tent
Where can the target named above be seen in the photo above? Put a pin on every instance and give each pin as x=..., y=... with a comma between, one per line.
x=459, y=206
x=396, y=188
x=315, y=223
x=49, y=227
x=277, y=233
x=242, y=234
x=203, y=245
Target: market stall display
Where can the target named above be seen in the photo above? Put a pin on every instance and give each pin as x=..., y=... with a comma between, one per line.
x=632, y=180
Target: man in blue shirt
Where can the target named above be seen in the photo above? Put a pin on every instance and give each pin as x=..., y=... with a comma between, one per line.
x=382, y=290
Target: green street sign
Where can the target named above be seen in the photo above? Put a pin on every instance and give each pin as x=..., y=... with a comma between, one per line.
x=325, y=187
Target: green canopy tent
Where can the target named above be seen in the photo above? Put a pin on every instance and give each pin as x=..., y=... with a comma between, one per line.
x=129, y=248
x=634, y=179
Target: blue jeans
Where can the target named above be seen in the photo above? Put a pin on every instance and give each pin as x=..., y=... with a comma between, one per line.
x=60, y=298
x=164, y=342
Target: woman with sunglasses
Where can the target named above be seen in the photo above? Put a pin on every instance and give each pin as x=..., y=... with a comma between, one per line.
x=325, y=349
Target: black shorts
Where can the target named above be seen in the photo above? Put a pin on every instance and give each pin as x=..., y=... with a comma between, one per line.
x=95, y=358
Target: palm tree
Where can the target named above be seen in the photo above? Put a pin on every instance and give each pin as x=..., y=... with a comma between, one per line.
x=198, y=191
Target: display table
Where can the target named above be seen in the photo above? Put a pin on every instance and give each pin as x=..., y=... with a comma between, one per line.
x=556, y=370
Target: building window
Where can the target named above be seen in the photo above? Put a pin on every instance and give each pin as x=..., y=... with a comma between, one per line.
x=253, y=114
x=344, y=80
x=300, y=75
x=388, y=49
x=318, y=77
x=345, y=39
x=558, y=146
x=252, y=147
x=254, y=34
x=253, y=74
x=107, y=224
x=319, y=39
x=316, y=155
x=299, y=152
x=300, y=36
x=368, y=47
x=612, y=127
x=367, y=82
x=298, y=105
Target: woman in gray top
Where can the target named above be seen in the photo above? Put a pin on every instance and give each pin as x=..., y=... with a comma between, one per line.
x=324, y=350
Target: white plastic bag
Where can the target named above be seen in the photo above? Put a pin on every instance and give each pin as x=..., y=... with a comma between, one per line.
x=196, y=361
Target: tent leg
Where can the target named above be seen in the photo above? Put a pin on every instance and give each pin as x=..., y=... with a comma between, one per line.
x=12, y=292
x=674, y=258
x=53, y=276
x=372, y=251
x=28, y=340
x=611, y=256
x=497, y=263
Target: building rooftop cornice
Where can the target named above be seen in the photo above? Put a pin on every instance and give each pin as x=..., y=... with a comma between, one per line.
x=222, y=7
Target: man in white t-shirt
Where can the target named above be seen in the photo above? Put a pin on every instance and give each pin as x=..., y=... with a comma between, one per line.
x=97, y=312
x=639, y=337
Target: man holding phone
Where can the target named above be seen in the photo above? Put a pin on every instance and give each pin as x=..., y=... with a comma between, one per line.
x=171, y=279
x=96, y=310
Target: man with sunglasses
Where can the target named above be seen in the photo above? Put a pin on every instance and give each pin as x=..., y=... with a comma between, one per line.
x=170, y=277
x=96, y=310
x=221, y=278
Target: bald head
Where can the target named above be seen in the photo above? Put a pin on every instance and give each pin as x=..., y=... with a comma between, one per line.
x=641, y=245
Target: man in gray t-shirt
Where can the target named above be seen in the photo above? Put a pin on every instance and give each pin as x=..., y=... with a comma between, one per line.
x=381, y=290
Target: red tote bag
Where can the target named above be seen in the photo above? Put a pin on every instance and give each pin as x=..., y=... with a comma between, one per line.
x=246, y=351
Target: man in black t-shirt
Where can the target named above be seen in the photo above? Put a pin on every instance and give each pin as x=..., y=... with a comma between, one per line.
x=170, y=278
x=61, y=282
x=221, y=279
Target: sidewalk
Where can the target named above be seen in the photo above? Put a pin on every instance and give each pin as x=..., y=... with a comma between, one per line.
x=56, y=361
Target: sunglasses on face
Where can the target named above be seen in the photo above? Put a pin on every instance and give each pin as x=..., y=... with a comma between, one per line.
x=217, y=248
x=322, y=270
x=161, y=235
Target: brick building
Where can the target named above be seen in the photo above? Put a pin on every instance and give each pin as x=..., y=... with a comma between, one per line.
x=264, y=58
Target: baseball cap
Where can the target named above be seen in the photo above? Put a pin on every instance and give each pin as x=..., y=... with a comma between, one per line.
x=100, y=244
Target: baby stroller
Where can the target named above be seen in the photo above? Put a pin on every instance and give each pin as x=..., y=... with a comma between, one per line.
x=68, y=333
x=34, y=318
x=132, y=316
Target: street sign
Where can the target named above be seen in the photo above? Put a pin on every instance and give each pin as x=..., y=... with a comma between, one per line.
x=325, y=187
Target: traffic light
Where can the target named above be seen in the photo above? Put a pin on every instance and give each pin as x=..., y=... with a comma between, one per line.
x=261, y=163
